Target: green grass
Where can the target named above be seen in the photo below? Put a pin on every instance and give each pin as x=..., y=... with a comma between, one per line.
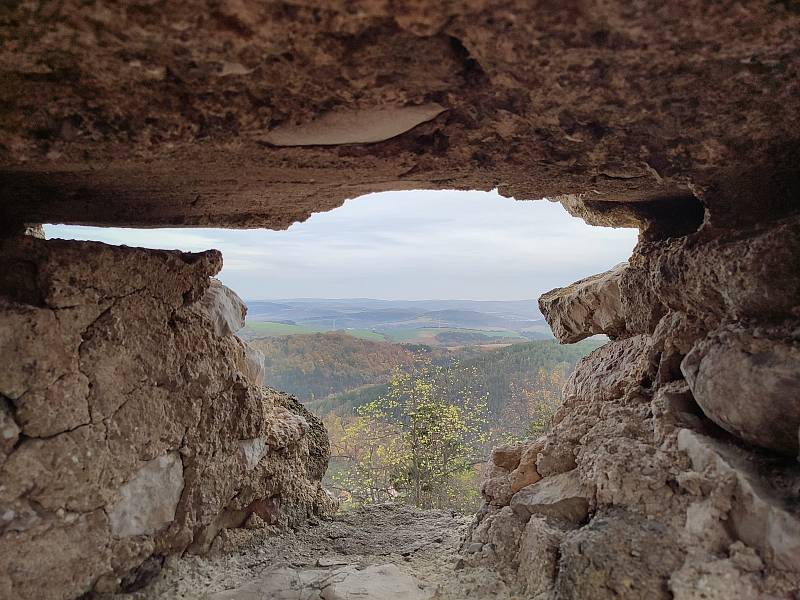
x=402, y=335
x=272, y=329
x=428, y=333
x=366, y=334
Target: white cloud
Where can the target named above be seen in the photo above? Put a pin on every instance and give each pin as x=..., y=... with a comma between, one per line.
x=403, y=245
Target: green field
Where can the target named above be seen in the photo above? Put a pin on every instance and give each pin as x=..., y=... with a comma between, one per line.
x=272, y=329
x=412, y=335
x=427, y=334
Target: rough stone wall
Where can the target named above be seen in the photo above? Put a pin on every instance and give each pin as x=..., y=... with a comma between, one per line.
x=672, y=468
x=157, y=113
x=133, y=423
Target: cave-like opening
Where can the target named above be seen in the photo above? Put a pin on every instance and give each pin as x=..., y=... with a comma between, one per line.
x=356, y=308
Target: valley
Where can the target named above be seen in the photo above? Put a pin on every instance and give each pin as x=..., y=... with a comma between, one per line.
x=413, y=412
x=430, y=322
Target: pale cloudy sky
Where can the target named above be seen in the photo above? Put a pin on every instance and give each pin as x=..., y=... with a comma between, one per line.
x=401, y=245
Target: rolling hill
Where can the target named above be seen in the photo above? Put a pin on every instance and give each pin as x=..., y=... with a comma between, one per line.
x=321, y=364
x=434, y=322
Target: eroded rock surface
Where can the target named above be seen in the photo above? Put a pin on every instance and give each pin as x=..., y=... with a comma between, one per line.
x=378, y=552
x=131, y=421
x=375, y=582
x=140, y=114
x=587, y=307
x=147, y=502
x=670, y=471
x=677, y=118
x=749, y=385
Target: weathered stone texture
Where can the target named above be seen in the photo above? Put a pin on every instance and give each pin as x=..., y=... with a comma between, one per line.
x=749, y=385
x=677, y=118
x=762, y=500
x=619, y=555
x=559, y=497
x=169, y=114
x=129, y=426
x=374, y=582
x=670, y=471
x=587, y=307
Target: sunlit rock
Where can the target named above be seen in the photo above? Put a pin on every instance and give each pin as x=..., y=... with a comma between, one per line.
x=148, y=501
x=561, y=497
x=587, y=307
x=224, y=308
x=507, y=456
x=526, y=472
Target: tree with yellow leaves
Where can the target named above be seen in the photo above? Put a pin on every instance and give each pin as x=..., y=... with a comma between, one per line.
x=419, y=442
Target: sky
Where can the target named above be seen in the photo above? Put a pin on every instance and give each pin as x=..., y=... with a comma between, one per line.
x=410, y=245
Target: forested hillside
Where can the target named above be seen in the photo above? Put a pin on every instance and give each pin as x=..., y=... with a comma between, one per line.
x=415, y=422
x=422, y=436
x=318, y=365
x=496, y=373
x=521, y=365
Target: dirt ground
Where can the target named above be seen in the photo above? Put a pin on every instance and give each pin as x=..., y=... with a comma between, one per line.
x=423, y=544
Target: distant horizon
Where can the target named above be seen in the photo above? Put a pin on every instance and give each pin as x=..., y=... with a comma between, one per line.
x=317, y=298
x=401, y=246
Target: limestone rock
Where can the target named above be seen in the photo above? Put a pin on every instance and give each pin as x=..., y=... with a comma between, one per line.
x=61, y=407
x=538, y=556
x=626, y=154
x=749, y=386
x=316, y=437
x=674, y=407
x=74, y=551
x=147, y=502
x=561, y=497
x=526, y=473
x=497, y=537
x=611, y=370
x=253, y=450
x=376, y=582
x=507, y=456
x=141, y=405
x=673, y=338
x=596, y=98
x=253, y=368
x=364, y=126
x=557, y=456
x=224, y=308
x=9, y=430
x=719, y=579
x=496, y=485
x=759, y=514
x=285, y=428
x=281, y=583
x=587, y=307
x=714, y=277
x=35, y=231
x=32, y=336
x=619, y=555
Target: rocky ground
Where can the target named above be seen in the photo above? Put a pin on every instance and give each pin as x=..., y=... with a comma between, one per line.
x=381, y=552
